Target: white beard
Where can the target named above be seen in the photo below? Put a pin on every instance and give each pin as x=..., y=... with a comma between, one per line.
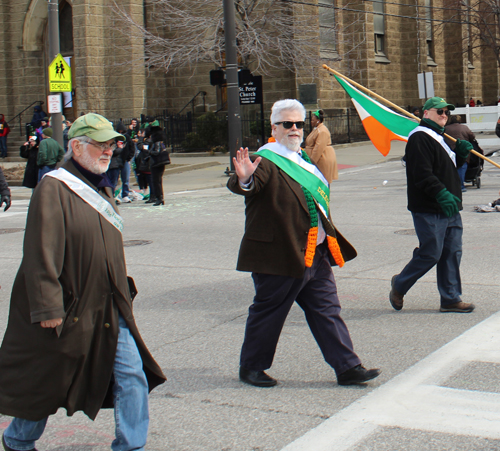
x=292, y=144
x=99, y=166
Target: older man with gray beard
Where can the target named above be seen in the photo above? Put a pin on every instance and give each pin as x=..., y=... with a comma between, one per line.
x=289, y=245
x=71, y=340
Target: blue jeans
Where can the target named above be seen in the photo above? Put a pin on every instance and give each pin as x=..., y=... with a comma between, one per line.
x=43, y=170
x=113, y=175
x=130, y=394
x=440, y=243
x=125, y=175
x=461, y=173
x=3, y=146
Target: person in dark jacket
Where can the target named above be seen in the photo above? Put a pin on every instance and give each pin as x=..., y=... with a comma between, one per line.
x=497, y=128
x=38, y=116
x=156, y=141
x=4, y=192
x=29, y=150
x=458, y=130
x=4, y=131
x=50, y=152
x=290, y=245
x=434, y=200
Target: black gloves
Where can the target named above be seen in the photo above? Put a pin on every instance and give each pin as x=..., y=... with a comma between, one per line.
x=5, y=199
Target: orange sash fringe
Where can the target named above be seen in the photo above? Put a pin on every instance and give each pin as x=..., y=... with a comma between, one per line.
x=334, y=247
x=312, y=237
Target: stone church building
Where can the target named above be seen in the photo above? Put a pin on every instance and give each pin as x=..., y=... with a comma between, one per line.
x=384, y=45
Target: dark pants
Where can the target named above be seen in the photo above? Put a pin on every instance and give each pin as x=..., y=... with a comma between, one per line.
x=43, y=170
x=316, y=294
x=461, y=173
x=113, y=175
x=157, y=176
x=440, y=243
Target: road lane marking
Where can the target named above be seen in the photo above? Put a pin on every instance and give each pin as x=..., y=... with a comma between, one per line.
x=415, y=400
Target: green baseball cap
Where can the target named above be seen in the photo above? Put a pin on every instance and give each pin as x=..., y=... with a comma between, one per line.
x=94, y=126
x=437, y=102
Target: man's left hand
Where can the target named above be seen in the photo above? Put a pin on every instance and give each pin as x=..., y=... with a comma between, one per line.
x=463, y=148
x=51, y=323
x=5, y=199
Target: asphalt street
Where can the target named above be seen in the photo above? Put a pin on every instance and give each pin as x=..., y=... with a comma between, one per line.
x=439, y=385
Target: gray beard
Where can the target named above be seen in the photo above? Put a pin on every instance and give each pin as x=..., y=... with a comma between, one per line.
x=93, y=165
x=293, y=146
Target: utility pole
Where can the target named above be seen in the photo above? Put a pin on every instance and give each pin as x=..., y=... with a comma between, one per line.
x=233, y=92
x=56, y=118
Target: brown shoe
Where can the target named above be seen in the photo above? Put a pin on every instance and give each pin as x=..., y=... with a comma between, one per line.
x=395, y=296
x=457, y=307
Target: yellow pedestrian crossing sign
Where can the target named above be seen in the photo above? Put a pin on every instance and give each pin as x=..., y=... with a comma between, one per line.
x=59, y=75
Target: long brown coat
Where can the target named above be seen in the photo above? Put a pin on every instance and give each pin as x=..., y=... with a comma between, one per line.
x=320, y=150
x=73, y=267
x=277, y=224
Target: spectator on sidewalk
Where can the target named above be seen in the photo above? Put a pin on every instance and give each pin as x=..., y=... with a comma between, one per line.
x=458, y=130
x=159, y=158
x=126, y=155
x=50, y=152
x=4, y=131
x=38, y=115
x=4, y=192
x=116, y=165
x=29, y=150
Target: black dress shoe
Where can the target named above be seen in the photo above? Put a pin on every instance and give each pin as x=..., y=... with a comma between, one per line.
x=8, y=448
x=257, y=378
x=357, y=375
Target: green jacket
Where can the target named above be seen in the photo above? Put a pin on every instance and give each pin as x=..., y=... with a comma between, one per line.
x=49, y=152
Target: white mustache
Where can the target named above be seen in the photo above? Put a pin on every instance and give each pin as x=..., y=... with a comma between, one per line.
x=104, y=158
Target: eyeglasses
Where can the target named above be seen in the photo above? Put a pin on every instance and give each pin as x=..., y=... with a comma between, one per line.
x=441, y=111
x=103, y=146
x=288, y=124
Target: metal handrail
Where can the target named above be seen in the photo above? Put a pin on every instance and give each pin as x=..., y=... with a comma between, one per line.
x=203, y=93
x=40, y=102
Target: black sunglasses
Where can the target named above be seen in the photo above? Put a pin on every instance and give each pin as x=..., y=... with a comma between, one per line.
x=288, y=124
x=441, y=111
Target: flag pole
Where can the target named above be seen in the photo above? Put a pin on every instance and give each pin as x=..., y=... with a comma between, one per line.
x=398, y=108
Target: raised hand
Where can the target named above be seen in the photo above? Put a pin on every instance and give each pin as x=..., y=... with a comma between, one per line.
x=243, y=166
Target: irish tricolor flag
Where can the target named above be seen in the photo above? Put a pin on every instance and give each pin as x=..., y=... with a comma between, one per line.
x=382, y=125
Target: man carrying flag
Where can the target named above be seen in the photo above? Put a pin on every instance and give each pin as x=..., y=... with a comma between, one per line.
x=289, y=246
x=434, y=199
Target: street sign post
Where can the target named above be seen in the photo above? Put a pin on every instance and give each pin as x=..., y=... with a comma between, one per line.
x=59, y=75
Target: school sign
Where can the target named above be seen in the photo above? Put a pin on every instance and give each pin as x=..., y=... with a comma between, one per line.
x=59, y=75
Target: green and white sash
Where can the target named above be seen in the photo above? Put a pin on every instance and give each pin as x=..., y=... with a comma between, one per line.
x=88, y=195
x=308, y=175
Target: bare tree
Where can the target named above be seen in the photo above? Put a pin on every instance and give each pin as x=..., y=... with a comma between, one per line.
x=480, y=20
x=270, y=33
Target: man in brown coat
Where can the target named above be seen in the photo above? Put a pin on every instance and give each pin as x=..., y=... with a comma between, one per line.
x=71, y=339
x=289, y=246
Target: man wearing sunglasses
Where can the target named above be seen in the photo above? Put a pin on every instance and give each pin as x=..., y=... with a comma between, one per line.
x=71, y=339
x=434, y=200
x=289, y=245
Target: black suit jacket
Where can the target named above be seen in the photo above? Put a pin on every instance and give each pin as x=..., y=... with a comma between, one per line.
x=277, y=224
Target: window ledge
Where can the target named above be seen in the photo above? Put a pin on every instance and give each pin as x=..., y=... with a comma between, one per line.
x=381, y=58
x=431, y=62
